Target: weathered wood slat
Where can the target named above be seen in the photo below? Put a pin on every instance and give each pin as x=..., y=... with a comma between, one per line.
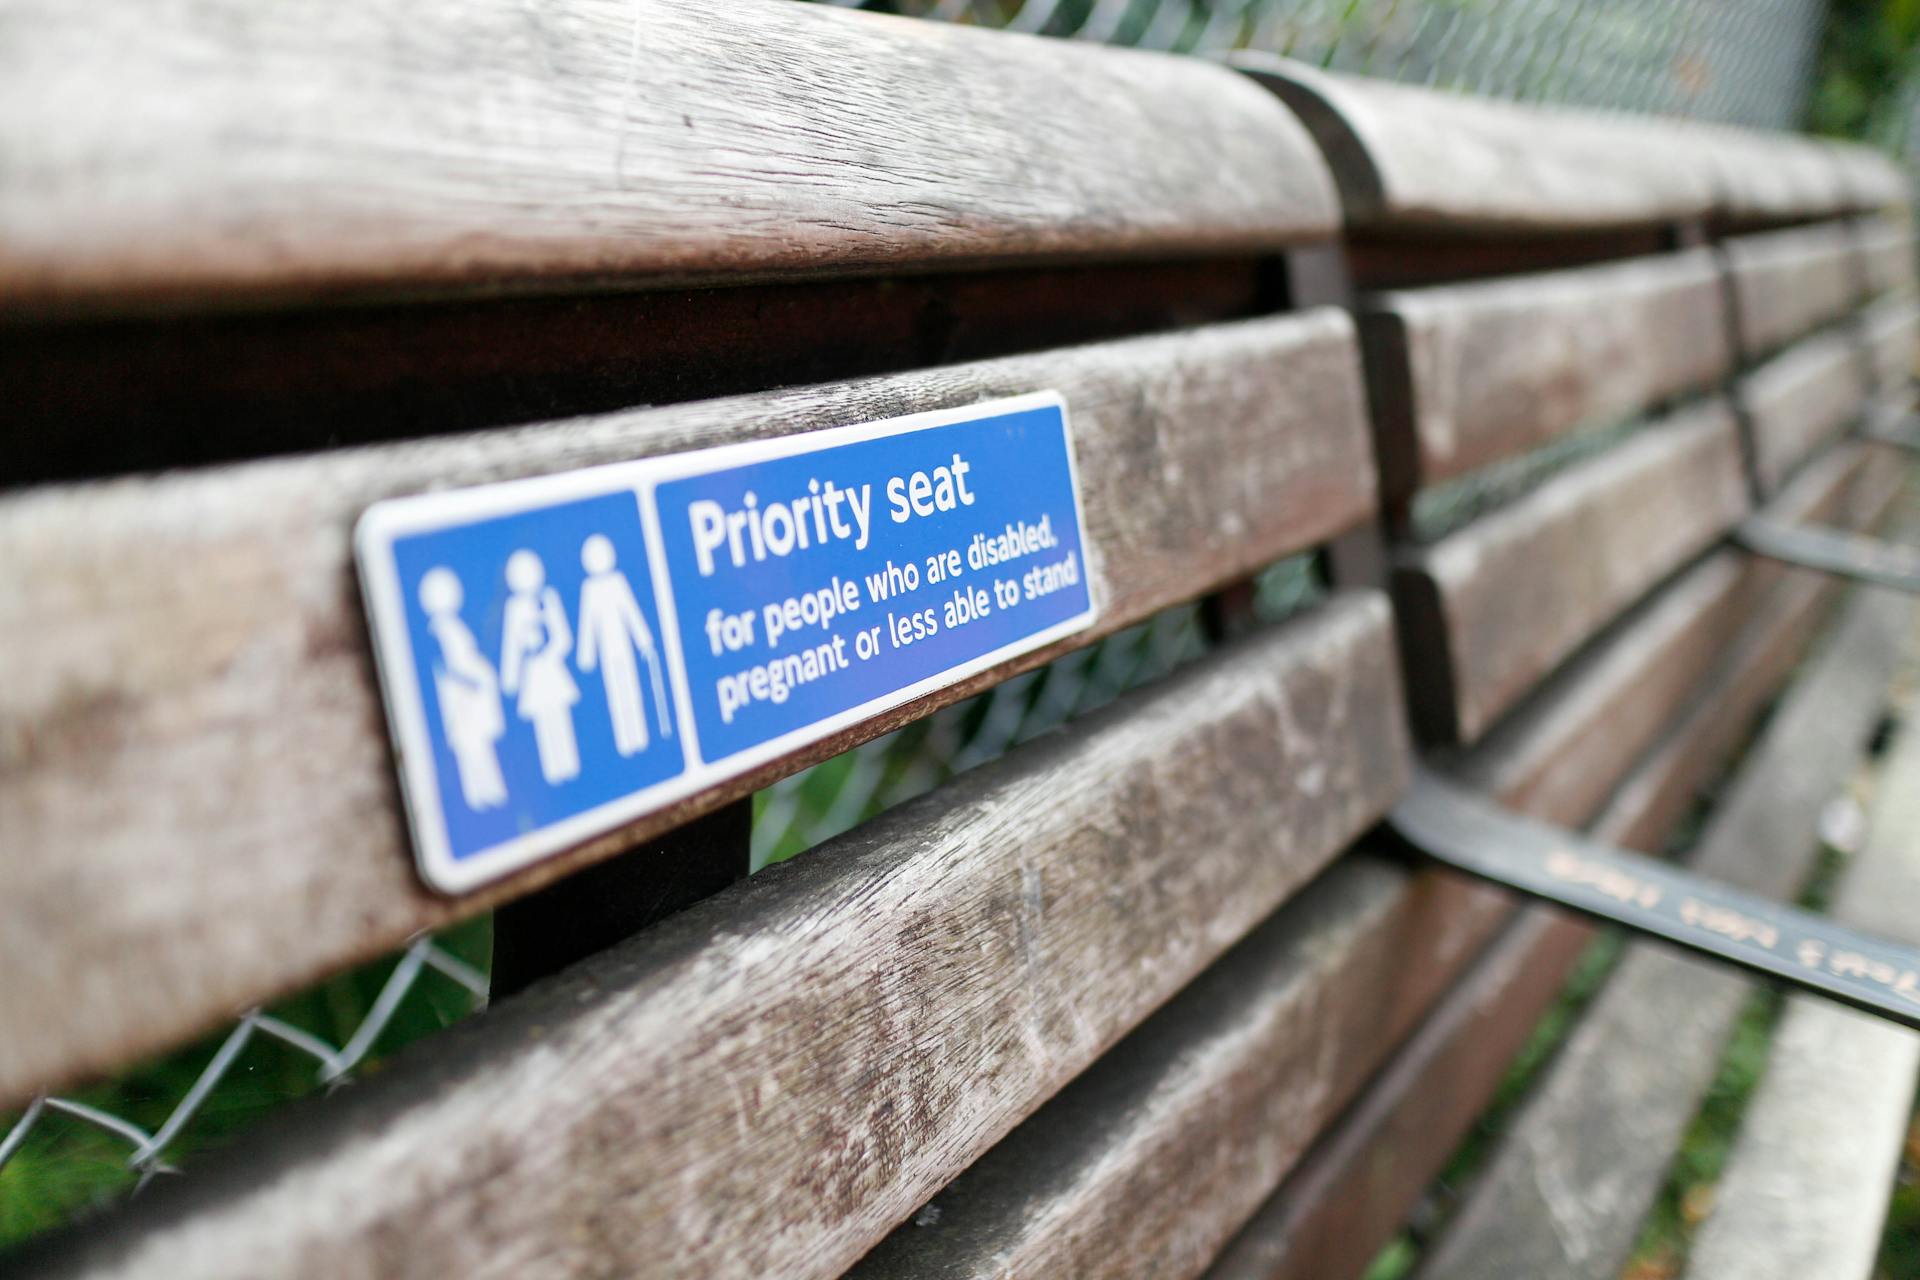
x=1551, y=757
x=1354, y=1189
x=1147, y=1163
x=1763, y=177
x=769, y=1081
x=1567, y=1190
x=1804, y=1194
x=1886, y=251
x=228, y=151
x=1467, y=374
x=196, y=637
x=1787, y=282
x=1416, y=159
x=1799, y=400
x=1150, y=1161
x=1891, y=331
x=1872, y=179
x=1489, y=610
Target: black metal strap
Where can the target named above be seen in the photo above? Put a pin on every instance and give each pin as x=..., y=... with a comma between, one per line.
x=1835, y=551
x=1464, y=829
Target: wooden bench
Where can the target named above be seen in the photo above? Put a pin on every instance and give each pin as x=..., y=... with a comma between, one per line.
x=1691, y=662
x=1150, y=995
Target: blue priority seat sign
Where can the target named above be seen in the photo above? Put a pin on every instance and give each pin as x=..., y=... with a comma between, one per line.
x=563, y=654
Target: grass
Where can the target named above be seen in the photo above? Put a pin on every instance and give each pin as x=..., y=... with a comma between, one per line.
x=1900, y=1244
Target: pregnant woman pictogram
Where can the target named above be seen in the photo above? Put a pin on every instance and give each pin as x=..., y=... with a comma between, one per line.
x=535, y=643
x=468, y=693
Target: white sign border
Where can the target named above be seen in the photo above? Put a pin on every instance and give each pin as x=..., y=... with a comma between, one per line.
x=386, y=521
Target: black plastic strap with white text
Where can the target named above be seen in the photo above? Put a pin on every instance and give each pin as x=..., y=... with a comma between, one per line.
x=1465, y=830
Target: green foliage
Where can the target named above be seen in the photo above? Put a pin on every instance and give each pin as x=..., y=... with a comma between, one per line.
x=1900, y=1245
x=1868, y=59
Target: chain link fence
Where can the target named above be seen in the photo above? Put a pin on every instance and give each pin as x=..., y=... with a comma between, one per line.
x=1747, y=62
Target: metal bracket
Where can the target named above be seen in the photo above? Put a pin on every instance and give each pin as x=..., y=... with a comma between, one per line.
x=1463, y=829
x=1835, y=551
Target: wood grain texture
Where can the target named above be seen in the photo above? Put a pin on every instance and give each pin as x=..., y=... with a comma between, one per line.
x=1145, y=1165
x=1886, y=249
x=769, y=1081
x=227, y=151
x=1804, y=1193
x=1799, y=400
x=1353, y=1190
x=1890, y=328
x=1788, y=282
x=197, y=637
x=1413, y=159
x=1566, y=751
x=1500, y=603
x=1148, y=1163
x=1566, y=1192
x=1496, y=368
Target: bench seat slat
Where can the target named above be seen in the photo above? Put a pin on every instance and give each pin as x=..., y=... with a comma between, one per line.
x=1799, y=400
x=197, y=637
x=1355, y=1187
x=769, y=1081
x=1804, y=1192
x=317, y=148
x=1788, y=282
x=1500, y=367
x=1492, y=608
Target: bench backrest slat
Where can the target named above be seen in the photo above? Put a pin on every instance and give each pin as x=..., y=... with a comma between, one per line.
x=223, y=661
x=1509, y=597
x=1408, y=158
x=1799, y=400
x=1788, y=282
x=351, y=148
x=772, y=1079
x=1500, y=367
x=1887, y=253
